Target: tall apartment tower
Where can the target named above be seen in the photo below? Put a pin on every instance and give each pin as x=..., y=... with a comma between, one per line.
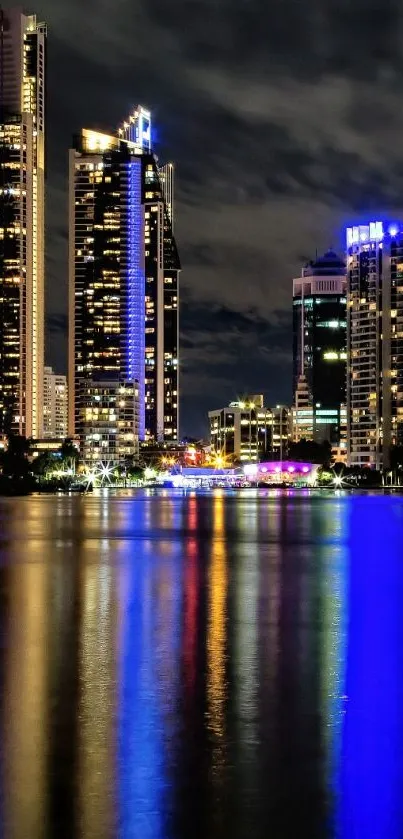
x=123, y=291
x=320, y=348
x=375, y=342
x=22, y=195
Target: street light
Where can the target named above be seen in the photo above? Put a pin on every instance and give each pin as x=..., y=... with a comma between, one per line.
x=219, y=461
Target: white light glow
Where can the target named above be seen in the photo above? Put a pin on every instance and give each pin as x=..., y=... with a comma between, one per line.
x=250, y=469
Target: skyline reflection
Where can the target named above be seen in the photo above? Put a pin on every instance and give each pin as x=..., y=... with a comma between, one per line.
x=202, y=664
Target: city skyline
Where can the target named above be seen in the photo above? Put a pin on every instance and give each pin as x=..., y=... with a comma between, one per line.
x=222, y=339
x=124, y=290
x=201, y=419
x=271, y=164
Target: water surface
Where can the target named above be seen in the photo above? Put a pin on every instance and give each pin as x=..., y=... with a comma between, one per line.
x=201, y=667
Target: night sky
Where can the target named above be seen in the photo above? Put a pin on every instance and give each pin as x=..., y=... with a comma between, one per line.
x=285, y=121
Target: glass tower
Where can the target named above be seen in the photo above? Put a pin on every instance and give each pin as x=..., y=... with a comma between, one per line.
x=22, y=180
x=320, y=345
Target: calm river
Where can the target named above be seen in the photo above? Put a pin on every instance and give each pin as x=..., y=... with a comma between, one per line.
x=218, y=666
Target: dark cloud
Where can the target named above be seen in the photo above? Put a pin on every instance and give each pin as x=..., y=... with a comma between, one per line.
x=284, y=119
x=226, y=355
x=56, y=324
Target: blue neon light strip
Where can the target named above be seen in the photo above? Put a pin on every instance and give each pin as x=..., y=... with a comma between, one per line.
x=136, y=288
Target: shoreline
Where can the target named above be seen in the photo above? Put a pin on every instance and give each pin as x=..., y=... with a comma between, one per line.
x=19, y=492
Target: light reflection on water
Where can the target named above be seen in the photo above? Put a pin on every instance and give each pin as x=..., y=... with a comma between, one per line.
x=201, y=665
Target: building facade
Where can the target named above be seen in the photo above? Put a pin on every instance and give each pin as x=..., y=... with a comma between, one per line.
x=247, y=430
x=22, y=197
x=320, y=349
x=123, y=280
x=110, y=421
x=375, y=342
x=302, y=417
x=54, y=405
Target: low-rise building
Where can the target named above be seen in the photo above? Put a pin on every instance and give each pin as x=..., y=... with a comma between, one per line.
x=247, y=430
x=54, y=405
x=109, y=422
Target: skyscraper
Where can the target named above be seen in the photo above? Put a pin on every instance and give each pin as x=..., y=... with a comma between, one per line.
x=123, y=287
x=320, y=348
x=22, y=177
x=375, y=342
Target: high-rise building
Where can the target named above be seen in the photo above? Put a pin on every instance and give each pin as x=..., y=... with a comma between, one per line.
x=375, y=342
x=320, y=349
x=247, y=431
x=54, y=405
x=123, y=280
x=22, y=178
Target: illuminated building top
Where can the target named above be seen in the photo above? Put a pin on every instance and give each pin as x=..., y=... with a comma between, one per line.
x=137, y=129
x=96, y=141
x=374, y=231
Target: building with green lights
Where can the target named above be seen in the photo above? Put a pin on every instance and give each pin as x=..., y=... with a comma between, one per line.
x=320, y=350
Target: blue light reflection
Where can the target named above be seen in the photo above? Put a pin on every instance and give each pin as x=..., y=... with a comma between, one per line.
x=140, y=757
x=151, y=609
x=371, y=774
